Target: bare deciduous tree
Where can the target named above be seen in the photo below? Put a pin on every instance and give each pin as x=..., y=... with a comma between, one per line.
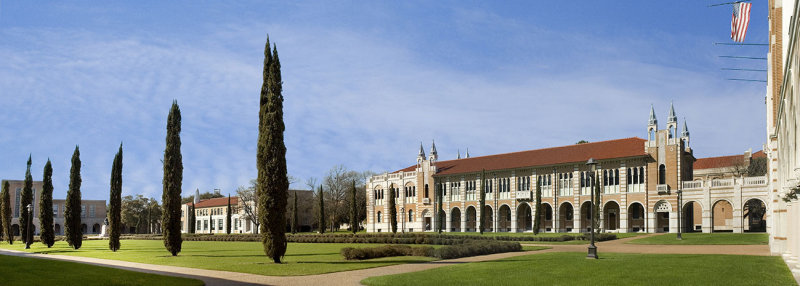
x=247, y=199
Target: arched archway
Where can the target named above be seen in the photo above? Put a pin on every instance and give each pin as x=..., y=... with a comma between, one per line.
x=488, y=219
x=636, y=218
x=692, y=217
x=586, y=216
x=566, y=215
x=524, y=218
x=455, y=220
x=755, y=216
x=427, y=220
x=546, y=219
x=471, y=219
x=96, y=228
x=15, y=229
x=611, y=215
x=722, y=216
x=663, y=210
x=57, y=229
x=504, y=216
x=83, y=228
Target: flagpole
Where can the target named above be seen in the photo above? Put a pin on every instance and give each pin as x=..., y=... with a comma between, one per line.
x=740, y=57
x=726, y=3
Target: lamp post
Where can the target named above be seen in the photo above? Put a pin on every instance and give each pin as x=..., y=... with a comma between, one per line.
x=403, y=213
x=592, y=248
x=29, y=234
x=680, y=210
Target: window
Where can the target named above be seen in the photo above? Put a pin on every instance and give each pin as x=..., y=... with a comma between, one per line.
x=426, y=190
x=91, y=210
x=662, y=174
x=641, y=175
x=616, y=177
x=83, y=211
x=211, y=223
x=379, y=216
x=17, y=203
x=410, y=215
x=236, y=224
x=198, y=225
x=205, y=225
x=628, y=173
x=220, y=224
x=55, y=211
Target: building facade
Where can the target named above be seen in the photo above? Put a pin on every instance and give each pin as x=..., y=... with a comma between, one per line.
x=640, y=180
x=93, y=212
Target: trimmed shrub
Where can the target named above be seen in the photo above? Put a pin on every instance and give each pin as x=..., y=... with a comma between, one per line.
x=598, y=236
x=351, y=253
x=474, y=248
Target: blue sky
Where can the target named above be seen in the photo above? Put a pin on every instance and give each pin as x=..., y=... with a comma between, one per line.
x=364, y=83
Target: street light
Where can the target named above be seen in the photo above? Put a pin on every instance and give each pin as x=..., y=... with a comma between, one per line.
x=680, y=210
x=592, y=248
x=29, y=234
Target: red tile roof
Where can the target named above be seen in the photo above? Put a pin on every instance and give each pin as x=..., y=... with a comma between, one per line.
x=619, y=148
x=759, y=154
x=718, y=162
x=215, y=202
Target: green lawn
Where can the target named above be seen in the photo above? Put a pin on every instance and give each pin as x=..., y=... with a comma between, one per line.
x=33, y=271
x=706, y=239
x=559, y=268
x=248, y=257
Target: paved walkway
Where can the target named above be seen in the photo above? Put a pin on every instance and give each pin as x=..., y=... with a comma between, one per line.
x=214, y=277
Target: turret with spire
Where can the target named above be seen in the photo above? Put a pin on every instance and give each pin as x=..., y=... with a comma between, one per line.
x=196, y=196
x=467, y=156
x=421, y=154
x=672, y=117
x=653, y=121
x=434, y=155
x=672, y=122
x=685, y=133
x=459, y=154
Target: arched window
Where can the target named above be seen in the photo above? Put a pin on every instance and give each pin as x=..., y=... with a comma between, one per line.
x=641, y=175
x=583, y=183
x=671, y=132
x=379, y=216
x=605, y=177
x=652, y=135
x=629, y=175
x=662, y=174
x=616, y=177
x=410, y=215
x=426, y=190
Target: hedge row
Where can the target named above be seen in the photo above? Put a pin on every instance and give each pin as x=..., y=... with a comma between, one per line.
x=469, y=248
x=386, y=238
x=351, y=253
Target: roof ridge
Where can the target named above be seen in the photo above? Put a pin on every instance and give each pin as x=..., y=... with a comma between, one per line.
x=542, y=149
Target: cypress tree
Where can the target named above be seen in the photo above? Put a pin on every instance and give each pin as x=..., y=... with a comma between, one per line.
x=210, y=223
x=228, y=217
x=392, y=210
x=273, y=183
x=353, y=209
x=26, y=198
x=115, y=202
x=537, y=215
x=439, y=212
x=172, y=182
x=482, y=201
x=321, y=197
x=5, y=212
x=72, y=207
x=192, y=220
x=294, y=214
x=2, y=218
x=46, y=207
x=596, y=205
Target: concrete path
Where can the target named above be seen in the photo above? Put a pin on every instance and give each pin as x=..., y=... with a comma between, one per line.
x=214, y=277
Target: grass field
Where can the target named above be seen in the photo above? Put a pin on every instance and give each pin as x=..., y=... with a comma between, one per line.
x=706, y=239
x=248, y=257
x=32, y=271
x=612, y=269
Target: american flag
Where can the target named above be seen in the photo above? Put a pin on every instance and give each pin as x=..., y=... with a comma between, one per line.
x=739, y=21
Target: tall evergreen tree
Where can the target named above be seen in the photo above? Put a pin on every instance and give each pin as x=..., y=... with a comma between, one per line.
x=353, y=208
x=115, y=202
x=294, y=214
x=439, y=212
x=46, y=207
x=273, y=182
x=172, y=182
x=5, y=212
x=537, y=214
x=26, y=198
x=228, y=217
x=321, y=196
x=482, y=201
x=210, y=223
x=192, y=220
x=596, y=205
x=2, y=219
x=72, y=207
x=392, y=210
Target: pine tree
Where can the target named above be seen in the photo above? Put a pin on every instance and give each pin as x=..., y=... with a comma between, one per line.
x=353, y=209
x=26, y=198
x=46, y=207
x=115, y=202
x=537, y=214
x=172, y=182
x=482, y=202
x=294, y=214
x=228, y=217
x=72, y=207
x=5, y=212
x=392, y=210
x=192, y=220
x=321, y=197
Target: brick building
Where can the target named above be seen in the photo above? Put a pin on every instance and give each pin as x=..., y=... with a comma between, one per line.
x=640, y=180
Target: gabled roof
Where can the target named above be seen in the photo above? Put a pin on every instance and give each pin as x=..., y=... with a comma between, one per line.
x=215, y=202
x=578, y=153
x=724, y=161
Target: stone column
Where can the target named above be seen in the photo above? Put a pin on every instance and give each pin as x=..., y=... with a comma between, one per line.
x=707, y=220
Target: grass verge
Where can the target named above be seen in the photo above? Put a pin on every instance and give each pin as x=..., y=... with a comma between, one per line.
x=706, y=239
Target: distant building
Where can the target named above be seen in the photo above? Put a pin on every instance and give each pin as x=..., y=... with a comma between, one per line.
x=211, y=214
x=93, y=212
